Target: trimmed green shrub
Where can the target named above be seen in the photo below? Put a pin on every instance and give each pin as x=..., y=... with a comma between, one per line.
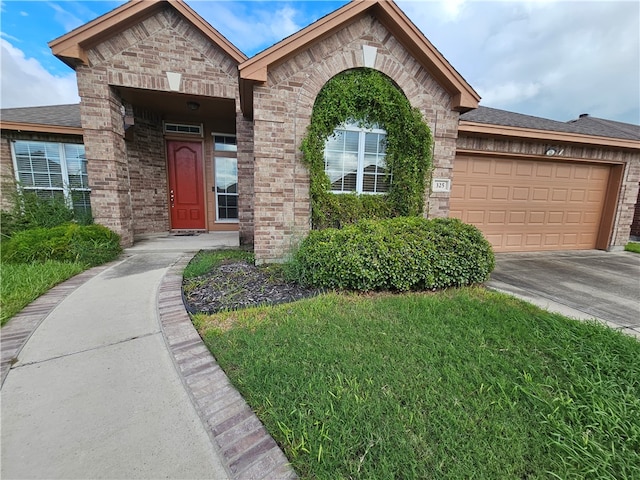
x=32, y=211
x=348, y=208
x=404, y=253
x=91, y=245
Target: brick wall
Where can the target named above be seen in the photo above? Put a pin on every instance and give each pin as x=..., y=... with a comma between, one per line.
x=635, y=224
x=7, y=175
x=244, y=132
x=282, y=109
x=628, y=195
x=128, y=178
x=148, y=174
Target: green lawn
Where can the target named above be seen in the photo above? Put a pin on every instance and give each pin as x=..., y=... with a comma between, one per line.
x=20, y=284
x=458, y=384
x=632, y=247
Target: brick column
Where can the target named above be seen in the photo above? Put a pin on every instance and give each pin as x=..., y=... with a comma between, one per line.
x=635, y=226
x=107, y=165
x=244, y=136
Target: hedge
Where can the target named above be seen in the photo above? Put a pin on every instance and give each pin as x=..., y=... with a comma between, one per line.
x=404, y=253
x=90, y=244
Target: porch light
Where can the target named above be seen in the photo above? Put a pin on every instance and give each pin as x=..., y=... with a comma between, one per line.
x=193, y=105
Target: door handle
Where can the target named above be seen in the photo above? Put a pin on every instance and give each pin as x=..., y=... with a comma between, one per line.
x=171, y=198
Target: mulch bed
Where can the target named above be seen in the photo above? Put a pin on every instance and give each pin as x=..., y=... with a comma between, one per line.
x=235, y=285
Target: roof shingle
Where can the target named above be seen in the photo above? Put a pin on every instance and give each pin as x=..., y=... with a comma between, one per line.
x=585, y=125
x=57, y=115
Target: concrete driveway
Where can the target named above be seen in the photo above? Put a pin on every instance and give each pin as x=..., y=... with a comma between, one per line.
x=583, y=284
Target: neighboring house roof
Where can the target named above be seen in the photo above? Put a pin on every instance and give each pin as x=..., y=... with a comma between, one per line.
x=50, y=119
x=585, y=124
x=255, y=69
x=606, y=128
x=71, y=48
x=586, y=129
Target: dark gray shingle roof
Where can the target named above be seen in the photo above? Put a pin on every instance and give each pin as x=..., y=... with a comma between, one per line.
x=585, y=125
x=58, y=115
x=606, y=128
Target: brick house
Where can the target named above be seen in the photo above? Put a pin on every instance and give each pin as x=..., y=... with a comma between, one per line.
x=183, y=132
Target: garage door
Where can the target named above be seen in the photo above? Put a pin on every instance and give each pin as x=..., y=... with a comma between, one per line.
x=530, y=205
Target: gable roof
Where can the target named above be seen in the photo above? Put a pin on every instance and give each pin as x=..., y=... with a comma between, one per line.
x=586, y=129
x=63, y=119
x=71, y=48
x=255, y=69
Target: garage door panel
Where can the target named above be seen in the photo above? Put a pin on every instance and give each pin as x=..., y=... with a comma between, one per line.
x=544, y=170
x=578, y=195
x=559, y=195
x=524, y=169
x=581, y=172
x=573, y=217
x=530, y=205
x=536, y=218
x=540, y=194
x=599, y=174
x=555, y=218
x=478, y=192
x=481, y=167
x=517, y=217
x=476, y=216
x=497, y=217
x=499, y=193
x=563, y=171
x=534, y=240
x=594, y=196
x=503, y=168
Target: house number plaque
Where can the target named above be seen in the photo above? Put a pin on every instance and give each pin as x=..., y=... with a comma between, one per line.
x=441, y=185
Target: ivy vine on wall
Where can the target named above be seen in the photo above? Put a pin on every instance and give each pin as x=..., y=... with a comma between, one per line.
x=368, y=97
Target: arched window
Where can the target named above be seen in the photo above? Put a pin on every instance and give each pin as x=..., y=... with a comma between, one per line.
x=354, y=159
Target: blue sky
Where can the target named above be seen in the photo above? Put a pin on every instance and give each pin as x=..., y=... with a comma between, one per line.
x=554, y=59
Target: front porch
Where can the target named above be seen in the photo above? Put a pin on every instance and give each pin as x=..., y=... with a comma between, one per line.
x=168, y=242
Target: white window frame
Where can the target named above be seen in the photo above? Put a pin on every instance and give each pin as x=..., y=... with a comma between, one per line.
x=232, y=154
x=353, y=127
x=186, y=129
x=66, y=189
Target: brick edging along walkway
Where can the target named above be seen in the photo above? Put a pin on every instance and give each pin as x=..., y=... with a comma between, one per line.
x=245, y=446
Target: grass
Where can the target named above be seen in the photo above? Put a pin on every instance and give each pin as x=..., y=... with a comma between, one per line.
x=205, y=260
x=20, y=284
x=632, y=247
x=459, y=384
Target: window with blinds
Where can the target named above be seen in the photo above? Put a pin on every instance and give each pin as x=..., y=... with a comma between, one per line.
x=354, y=160
x=53, y=170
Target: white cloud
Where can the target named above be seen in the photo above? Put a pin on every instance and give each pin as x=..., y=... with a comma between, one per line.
x=507, y=93
x=26, y=83
x=65, y=18
x=10, y=37
x=568, y=57
x=251, y=26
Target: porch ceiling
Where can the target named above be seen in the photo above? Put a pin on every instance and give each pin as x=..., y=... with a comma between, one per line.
x=173, y=106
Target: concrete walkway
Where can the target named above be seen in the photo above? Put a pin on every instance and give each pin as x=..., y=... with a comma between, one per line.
x=112, y=381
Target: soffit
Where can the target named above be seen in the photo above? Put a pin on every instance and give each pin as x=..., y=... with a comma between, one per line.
x=255, y=70
x=71, y=48
x=175, y=105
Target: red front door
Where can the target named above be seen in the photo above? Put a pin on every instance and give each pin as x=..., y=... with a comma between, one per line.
x=186, y=196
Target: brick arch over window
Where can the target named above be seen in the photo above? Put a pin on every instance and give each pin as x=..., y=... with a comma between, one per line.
x=427, y=97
